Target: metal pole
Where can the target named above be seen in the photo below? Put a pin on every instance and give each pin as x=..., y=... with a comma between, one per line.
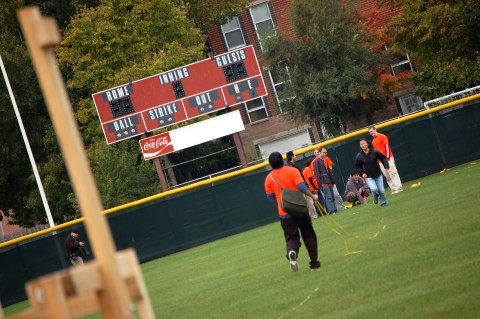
x=27, y=145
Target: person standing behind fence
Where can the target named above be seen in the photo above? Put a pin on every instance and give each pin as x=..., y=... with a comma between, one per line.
x=321, y=199
x=309, y=179
x=291, y=158
x=367, y=161
x=325, y=181
x=380, y=142
x=336, y=195
x=74, y=248
x=293, y=227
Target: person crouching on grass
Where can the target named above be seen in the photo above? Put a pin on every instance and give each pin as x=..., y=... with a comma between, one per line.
x=293, y=227
x=356, y=190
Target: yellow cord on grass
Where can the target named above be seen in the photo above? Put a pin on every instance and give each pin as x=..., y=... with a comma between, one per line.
x=331, y=223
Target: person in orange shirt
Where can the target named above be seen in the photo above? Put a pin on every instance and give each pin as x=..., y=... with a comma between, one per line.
x=325, y=181
x=311, y=182
x=293, y=227
x=380, y=143
x=321, y=199
x=336, y=195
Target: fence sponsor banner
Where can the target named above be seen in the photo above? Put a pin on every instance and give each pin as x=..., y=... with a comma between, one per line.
x=194, y=134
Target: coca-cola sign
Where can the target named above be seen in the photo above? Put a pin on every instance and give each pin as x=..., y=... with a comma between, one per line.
x=157, y=145
x=191, y=135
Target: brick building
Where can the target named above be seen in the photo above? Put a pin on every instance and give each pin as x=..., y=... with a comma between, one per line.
x=267, y=129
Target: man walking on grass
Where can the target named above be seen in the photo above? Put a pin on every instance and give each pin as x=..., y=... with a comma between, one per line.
x=293, y=227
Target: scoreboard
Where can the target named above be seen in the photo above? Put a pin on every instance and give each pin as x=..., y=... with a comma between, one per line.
x=180, y=94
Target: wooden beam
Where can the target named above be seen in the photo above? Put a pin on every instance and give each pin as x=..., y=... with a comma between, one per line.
x=41, y=35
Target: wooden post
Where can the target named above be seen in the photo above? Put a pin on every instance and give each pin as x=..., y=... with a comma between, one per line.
x=41, y=35
x=161, y=174
x=239, y=146
x=158, y=167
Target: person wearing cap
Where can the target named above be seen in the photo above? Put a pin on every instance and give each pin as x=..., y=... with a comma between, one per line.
x=74, y=248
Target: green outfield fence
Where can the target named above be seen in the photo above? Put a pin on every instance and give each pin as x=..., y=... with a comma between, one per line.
x=423, y=143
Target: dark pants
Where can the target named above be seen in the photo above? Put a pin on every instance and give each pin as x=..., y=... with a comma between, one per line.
x=292, y=229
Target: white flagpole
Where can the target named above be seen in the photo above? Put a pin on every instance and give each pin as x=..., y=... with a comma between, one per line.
x=27, y=145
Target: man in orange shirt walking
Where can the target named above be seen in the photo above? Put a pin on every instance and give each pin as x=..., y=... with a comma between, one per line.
x=293, y=227
x=380, y=143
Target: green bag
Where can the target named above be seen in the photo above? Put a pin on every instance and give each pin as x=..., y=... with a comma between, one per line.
x=292, y=201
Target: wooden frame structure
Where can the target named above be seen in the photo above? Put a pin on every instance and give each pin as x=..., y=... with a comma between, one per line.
x=110, y=283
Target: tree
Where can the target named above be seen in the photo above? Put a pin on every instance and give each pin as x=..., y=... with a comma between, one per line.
x=212, y=12
x=20, y=197
x=332, y=69
x=16, y=175
x=132, y=40
x=443, y=38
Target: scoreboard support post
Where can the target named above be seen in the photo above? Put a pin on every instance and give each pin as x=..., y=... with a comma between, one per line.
x=239, y=146
x=161, y=174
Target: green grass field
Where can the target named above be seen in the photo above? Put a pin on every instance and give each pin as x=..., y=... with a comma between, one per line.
x=419, y=259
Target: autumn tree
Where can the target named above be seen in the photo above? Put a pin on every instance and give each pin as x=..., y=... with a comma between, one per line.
x=328, y=66
x=443, y=38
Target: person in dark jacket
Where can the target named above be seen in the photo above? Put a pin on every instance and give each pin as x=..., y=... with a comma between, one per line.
x=356, y=190
x=367, y=162
x=325, y=181
x=74, y=248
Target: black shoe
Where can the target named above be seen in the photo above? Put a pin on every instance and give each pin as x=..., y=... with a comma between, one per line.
x=292, y=260
x=375, y=199
x=315, y=265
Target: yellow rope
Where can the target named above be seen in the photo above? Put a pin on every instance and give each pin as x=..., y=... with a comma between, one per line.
x=331, y=223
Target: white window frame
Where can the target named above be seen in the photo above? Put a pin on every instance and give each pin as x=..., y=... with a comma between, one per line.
x=407, y=101
x=401, y=63
x=326, y=134
x=407, y=61
x=234, y=30
x=258, y=108
x=275, y=84
x=256, y=22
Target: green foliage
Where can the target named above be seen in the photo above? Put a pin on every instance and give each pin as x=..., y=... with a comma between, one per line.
x=121, y=40
x=16, y=175
x=330, y=64
x=121, y=174
x=131, y=40
x=205, y=159
x=443, y=37
x=21, y=195
x=212, y=12
x=106, y=43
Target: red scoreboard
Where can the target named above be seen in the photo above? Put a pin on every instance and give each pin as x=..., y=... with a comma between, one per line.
x=180, y=94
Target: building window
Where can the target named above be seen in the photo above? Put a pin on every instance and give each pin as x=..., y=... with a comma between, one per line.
x=256, y=110
x=279, y=77
x=262, y=20
x=405, y=64
x=410, y=103
x=333, y=128
x=232, y=32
